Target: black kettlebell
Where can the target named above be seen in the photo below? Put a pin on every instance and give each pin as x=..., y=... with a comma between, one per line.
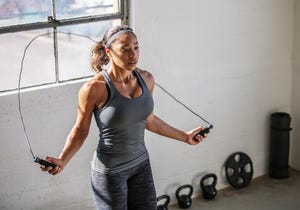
x=163, y=206
x=184, y=201
x=209, y=190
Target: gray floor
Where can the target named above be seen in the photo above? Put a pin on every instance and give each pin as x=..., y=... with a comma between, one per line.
x=263, y=193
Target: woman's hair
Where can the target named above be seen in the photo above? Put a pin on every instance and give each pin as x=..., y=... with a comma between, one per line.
x=99, y=57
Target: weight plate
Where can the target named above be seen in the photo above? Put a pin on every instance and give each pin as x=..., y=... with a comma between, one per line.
x=239, y=170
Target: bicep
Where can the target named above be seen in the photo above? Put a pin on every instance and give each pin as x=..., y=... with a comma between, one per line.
x=149, y=121
x=153, y=123
x=86, y=105
x=83, y=119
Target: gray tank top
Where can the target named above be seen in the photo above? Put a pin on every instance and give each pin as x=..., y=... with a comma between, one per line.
x=121, y=122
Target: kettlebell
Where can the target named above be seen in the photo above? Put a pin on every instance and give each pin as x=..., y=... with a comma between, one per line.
x=163, y=206
x=184, y=201
x=209, y=190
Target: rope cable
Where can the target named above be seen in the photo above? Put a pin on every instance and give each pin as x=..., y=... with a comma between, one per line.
x=91, y=39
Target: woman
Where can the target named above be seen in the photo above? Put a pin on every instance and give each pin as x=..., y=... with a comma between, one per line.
x=121, y=101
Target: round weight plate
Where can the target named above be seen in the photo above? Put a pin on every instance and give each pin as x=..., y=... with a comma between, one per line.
x=239, y=170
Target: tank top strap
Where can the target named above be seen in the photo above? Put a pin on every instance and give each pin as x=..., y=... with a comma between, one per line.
x=106, y=77
x=109, y=85
x=141, y=80
x=108, y=80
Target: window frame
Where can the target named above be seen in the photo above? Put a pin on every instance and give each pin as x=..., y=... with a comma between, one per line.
x=54, y=23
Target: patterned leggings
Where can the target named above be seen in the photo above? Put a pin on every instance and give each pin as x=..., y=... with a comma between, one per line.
x=131, y=189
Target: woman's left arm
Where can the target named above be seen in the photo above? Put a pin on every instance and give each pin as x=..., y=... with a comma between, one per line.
x=157, y=125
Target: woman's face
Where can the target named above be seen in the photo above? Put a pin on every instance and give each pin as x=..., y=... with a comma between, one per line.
x=124, y=51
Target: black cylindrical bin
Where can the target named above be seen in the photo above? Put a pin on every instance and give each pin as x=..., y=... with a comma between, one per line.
x=280, y=145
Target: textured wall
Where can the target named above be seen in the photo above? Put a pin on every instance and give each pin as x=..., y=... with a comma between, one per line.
x=230, y=61
x=295, y=144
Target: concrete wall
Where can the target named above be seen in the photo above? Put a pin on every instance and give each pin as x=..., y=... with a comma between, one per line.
x=230, y=61
x=49, y=115
x=295, y=144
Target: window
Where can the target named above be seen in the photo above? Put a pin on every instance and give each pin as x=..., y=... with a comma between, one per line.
x=56, y=37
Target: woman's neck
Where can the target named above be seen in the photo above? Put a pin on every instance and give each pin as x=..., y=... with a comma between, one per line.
x=121, y=75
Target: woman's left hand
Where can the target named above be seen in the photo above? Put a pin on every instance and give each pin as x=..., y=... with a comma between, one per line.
x=193, y=136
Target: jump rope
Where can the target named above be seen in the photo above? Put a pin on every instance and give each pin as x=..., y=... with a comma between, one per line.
x=48, y=164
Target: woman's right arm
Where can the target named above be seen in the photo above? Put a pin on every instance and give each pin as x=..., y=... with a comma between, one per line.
x=88, y=98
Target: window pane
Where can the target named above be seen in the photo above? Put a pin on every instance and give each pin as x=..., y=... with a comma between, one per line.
x=81, y=8
x=23, y=11
x=38, y=65
x=74, y=51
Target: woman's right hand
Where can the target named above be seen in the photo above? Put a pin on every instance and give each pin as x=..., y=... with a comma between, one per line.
x=54, y=171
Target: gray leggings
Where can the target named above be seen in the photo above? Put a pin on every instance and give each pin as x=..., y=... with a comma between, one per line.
x=132, y=189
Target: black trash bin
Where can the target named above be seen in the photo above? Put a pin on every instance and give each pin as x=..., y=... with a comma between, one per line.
x=280, y=145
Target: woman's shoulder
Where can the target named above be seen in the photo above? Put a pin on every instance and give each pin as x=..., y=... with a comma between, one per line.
x=94, y=87
x=147, y=77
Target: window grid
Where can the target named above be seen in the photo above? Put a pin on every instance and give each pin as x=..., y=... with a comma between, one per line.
x=54, y=24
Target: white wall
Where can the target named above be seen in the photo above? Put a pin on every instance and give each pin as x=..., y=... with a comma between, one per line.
x=295, y=144
x=230, y=61
x=49, y=115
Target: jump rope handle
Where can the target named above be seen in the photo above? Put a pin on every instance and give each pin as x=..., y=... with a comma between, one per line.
x=44, y=162
x=204, y=131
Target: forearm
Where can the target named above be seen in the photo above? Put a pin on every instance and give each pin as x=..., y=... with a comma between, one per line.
x=158, y=126
x=73, y=143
